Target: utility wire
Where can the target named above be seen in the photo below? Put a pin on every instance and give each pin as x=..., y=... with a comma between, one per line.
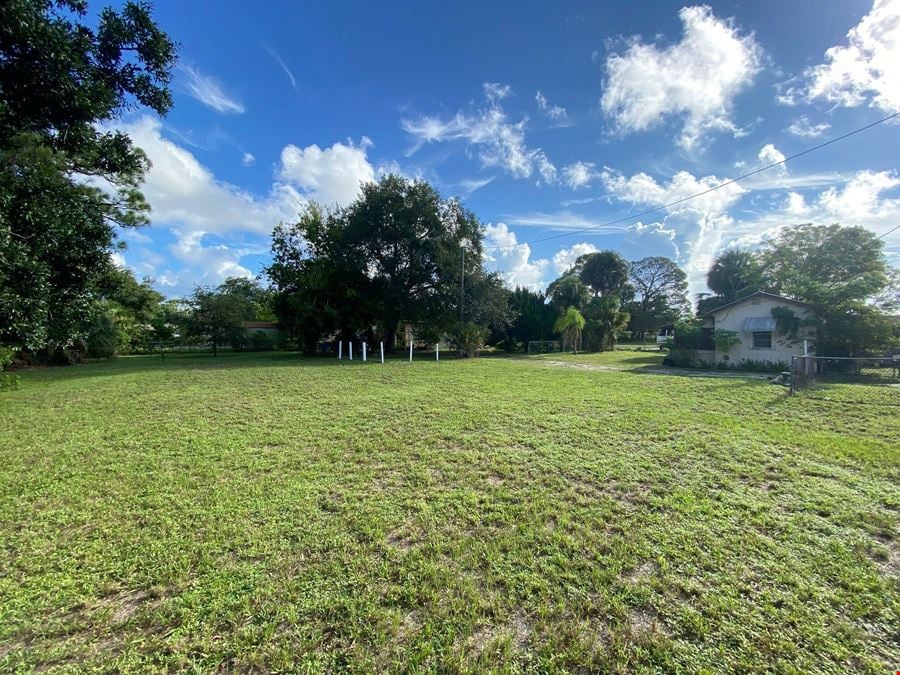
x=707, y=191
x=893, y=229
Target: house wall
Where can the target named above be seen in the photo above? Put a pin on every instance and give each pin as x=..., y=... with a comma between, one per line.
x=733, y=318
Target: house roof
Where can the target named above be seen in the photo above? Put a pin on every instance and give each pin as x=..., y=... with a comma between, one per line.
x=260, y=324
x=758, y=294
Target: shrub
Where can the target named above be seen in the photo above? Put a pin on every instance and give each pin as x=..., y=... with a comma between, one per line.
x=682, y=358
x=8, y=381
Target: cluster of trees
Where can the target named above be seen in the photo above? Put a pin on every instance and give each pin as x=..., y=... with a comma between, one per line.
x=599, y=298
x=61, y=83
x=399, y=255
x=840, y=271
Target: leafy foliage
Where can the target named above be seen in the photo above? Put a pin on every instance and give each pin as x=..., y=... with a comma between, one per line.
x=570, y=326
x=60, y=81
x=219, y=314
x=660, y=294
x=395, y=254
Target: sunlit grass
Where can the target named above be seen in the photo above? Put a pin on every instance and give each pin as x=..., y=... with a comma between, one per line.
x=276, y=513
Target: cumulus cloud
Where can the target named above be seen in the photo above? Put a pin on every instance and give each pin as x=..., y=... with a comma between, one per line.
x=330, y=175
x=695, y=79
x=566, y=257
x=866, y=69
x=248, y=159
x=512, y=260
x=579, y=174
x=497, y=141
x=701, y=224
x=208, y=91
x=801, y=126
x=187, y=199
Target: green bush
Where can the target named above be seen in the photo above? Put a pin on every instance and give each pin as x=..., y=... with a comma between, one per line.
x=8, y=381
x=682, y=358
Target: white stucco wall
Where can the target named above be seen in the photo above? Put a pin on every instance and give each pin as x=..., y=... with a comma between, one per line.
x=733, y=318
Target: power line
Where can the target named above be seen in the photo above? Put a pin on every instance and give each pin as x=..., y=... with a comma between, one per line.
x=893, y=229
x=707, y=191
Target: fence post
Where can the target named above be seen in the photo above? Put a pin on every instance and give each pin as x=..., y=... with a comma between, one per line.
x=793, y=374
x=410, y=351
x=340, y=349
x=382, y=352
x=437, y=351
x=364, y=352
x=350, y=344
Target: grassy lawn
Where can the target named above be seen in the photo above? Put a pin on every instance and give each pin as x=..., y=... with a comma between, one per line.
x=271, y=513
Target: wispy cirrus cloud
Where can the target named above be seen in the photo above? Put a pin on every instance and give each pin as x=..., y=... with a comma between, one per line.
x=208, y=91
x=497, y=141
x=283, y=65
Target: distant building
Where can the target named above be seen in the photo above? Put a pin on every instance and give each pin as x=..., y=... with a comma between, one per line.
x=268, y=328
x=756, y=329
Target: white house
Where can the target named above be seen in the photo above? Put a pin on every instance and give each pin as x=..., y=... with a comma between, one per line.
x=757, y=329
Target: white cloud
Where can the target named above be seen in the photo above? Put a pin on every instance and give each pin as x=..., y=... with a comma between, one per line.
x=497, y=141
x=769, y=155
x=566, y=257
x=555, y=112
x=696, y=79
x=496, y=91
x=208, y=91
x=701, y=223
x=283, y=65
x=187, y=198
x=579, y=174
x=563, y=221
x=513, y=260
x=801, y=126
x=867, y=68
x=330, y=175
x=248, y=159
x=796, y=205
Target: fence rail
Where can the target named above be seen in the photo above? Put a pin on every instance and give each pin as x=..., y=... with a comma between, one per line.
x=807, y=371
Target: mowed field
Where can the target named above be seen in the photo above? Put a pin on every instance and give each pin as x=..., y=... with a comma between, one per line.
x=270, y=513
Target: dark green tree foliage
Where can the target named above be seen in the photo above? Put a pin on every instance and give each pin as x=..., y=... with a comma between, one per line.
x=734, y=274
x=838, y=270
x=412, y=242
x=568, y=291
x=219, y=315
x=60, y=81
x=604, y=320
x=660, y=290
x=532, y=318
x=604, y=272
x=394, y=255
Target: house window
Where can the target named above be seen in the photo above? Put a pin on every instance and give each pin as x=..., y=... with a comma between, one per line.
x=762, y=340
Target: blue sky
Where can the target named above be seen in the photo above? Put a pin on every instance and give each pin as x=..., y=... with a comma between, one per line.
x=545, y=119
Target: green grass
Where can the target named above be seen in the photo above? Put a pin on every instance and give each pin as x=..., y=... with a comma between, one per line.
x=270, y=513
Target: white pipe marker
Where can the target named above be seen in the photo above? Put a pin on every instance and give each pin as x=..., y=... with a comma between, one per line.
x=364, y=352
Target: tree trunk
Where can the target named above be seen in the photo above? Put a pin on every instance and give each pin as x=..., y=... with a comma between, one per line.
x=390, y=337
x=215, y=347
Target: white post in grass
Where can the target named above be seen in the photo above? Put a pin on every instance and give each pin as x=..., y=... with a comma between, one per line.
x=340, y=349
x=382, y=352
x=351, y=349
x=364, y=352
x=437, y=351
x=410, y=350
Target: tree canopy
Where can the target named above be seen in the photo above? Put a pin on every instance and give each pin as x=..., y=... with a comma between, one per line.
x=660, y=294
x=399, y=253
x=61, y=83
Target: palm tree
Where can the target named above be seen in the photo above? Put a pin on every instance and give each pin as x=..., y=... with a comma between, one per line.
x=570, y=324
